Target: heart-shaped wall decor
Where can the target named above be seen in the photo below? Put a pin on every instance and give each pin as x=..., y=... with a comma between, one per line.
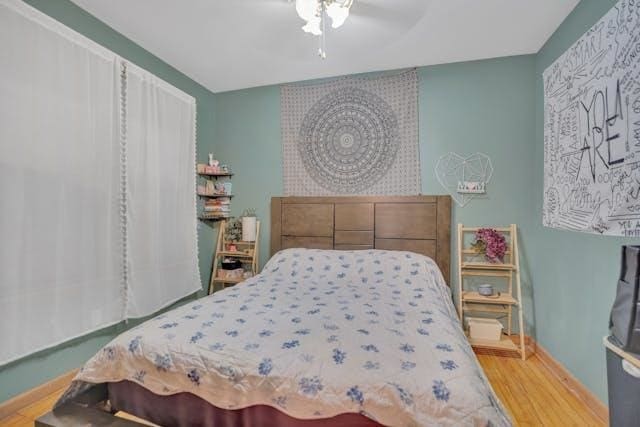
x=453, y=168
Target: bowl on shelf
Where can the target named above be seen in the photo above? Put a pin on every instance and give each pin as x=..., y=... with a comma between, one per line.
x=486, y=290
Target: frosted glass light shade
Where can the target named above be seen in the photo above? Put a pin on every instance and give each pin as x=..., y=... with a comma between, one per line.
x=308, y=10
x=337, y=13
x=313, y=27
x=311, y=12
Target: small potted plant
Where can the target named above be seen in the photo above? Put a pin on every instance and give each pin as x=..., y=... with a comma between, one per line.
x=491, y=244
x=249, y=225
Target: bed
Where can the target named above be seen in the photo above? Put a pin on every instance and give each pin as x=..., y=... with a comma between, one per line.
x=338, y=329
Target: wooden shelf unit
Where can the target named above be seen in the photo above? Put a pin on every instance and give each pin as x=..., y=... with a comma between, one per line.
x=502, y=305
x=249, y=259
x=225, y=281
x=505, y=344
x=213, y=218
x=235, y=254
x=502, y=299
x=209, y=178
x=215, y=196
x=216, y=175
x=487, y=266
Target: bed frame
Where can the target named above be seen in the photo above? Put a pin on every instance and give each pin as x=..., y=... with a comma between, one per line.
x=420, y=224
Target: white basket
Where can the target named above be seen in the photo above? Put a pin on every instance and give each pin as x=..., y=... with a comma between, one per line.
x=484, y=329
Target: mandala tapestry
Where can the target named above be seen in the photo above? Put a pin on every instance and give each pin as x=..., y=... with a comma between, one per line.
x=351, y=136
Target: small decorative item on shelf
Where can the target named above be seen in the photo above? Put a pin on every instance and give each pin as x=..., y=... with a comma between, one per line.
x=230, y=274
x=486, y=290
x=233, y=231
x=226, y=187
x=212, y=167
x=230, y=264
x=211, y=170
x=217, y=208
x=249, y=221
x=471, y=187
x=218, y=188
x=491, y=244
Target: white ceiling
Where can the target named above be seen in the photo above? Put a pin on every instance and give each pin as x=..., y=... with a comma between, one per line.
x=235, y=44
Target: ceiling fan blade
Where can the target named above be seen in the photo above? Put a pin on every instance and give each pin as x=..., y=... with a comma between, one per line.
x=390, y=13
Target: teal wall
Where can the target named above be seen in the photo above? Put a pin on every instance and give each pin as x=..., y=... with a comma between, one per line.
x=574, y=274
x=485, y=106
x=38, y=368
x=492, y=106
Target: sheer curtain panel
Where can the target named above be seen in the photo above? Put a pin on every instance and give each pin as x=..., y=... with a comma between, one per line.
x=97, y=186
x=161, y=204
x=60, y=230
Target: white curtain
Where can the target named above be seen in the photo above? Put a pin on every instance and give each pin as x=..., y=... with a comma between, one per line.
x=72, y=202
x=60, y=236
x=161, y=205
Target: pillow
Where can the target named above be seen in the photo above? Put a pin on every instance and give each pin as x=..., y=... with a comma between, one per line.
x=317, y=267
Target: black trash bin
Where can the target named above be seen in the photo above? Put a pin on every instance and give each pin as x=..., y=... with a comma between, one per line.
x=623, y=346
x=623, y=379
x=625, y=313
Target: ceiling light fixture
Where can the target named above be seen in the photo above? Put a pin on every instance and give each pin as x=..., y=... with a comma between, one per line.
x=314, y=12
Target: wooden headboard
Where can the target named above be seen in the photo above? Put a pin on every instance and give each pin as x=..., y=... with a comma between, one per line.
x=420, y=224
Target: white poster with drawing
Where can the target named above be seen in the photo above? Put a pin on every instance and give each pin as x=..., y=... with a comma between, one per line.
x=592, y=129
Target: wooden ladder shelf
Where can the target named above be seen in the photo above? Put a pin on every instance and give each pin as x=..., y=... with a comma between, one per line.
x=246, y=253
x=497, y=306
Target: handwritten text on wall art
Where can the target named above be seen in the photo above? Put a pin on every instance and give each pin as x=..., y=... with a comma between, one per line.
x=592, y=129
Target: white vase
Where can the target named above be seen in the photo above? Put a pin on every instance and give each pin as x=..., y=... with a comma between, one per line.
x=249, y=228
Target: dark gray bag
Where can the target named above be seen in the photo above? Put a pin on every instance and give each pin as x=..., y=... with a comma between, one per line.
x=625, y=313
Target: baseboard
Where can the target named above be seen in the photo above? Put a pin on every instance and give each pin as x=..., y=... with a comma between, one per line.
x=599, y=409
x=25, y=399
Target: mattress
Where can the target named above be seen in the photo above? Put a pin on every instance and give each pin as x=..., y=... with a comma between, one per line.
x=316, y=335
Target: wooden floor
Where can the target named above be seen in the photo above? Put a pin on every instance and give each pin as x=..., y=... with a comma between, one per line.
x=27, y=416
x=533, y=396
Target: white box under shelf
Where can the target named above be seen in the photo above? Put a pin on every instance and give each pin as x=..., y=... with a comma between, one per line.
x=484, y=329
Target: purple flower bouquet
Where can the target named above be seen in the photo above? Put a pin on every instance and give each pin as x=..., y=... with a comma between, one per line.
x=490, y=243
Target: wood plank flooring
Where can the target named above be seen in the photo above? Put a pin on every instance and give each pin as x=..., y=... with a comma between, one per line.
x=533, y=395
x=529, y=391
x=27, y=416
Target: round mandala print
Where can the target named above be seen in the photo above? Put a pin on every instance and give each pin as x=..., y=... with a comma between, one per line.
x=348, y=140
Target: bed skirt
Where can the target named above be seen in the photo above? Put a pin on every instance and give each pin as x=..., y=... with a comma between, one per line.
x=186, y=409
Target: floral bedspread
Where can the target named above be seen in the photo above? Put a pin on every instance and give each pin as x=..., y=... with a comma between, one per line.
x=316, y=334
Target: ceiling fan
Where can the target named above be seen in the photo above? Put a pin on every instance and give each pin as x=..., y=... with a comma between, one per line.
x=378, y=20
x=315, y=14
